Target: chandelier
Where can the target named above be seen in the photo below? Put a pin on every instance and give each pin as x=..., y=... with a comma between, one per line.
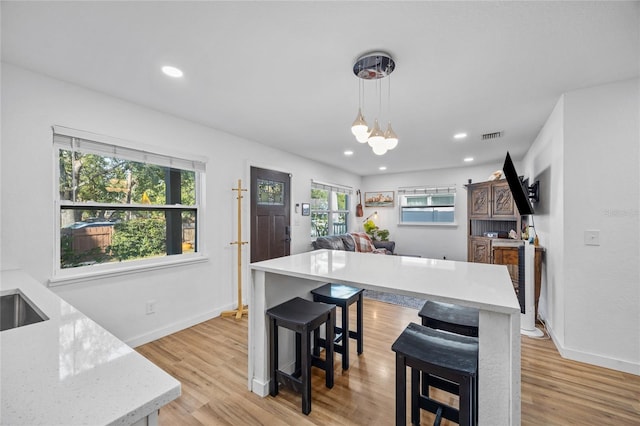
x=374, y=66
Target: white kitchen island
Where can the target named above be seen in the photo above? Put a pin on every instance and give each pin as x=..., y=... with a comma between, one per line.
x=483, y=286
x=67, y=370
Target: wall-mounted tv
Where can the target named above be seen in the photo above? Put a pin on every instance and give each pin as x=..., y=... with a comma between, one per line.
x=519, y=187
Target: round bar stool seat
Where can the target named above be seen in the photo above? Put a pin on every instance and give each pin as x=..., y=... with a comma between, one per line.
x=343, y=296
x=301, y=316
x=453, y=318
x=447, y=355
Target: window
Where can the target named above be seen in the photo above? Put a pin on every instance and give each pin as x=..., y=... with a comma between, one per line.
x=329, y=209
x=117, y=204
x=427, y=205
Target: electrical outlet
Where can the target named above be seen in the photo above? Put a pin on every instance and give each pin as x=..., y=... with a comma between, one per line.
x=151, y=307
x=592, y=237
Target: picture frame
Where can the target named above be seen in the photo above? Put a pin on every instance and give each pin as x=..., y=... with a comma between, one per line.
x=379, y=199
x=306, y=209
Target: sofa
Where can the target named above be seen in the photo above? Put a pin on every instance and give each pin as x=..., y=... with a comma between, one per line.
x=353, y=242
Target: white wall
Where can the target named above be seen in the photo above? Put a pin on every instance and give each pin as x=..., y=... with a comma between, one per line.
x=185, y=295
x=432, y=241
x=592, y=292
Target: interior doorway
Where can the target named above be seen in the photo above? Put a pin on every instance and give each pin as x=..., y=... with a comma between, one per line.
x=270, y=214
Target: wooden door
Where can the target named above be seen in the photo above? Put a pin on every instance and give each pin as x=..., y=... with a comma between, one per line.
x=270, y=214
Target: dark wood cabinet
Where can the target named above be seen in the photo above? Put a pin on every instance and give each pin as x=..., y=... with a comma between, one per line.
x=505, y=255
x=490, y=210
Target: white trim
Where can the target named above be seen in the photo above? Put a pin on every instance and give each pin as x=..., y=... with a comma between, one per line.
x=594, y=359
x=177, y=326
x=109, y=270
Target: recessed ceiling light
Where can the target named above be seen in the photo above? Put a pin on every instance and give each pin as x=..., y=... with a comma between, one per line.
x=460, y=136
x=382, y=168
x=172, y=71
x=468, y=159
x=347, y=153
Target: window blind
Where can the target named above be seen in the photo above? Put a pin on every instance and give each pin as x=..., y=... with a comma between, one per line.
x=331, y=186
x=427, y=189
x=78, y=140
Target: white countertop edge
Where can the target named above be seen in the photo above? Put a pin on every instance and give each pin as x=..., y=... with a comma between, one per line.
x=149, y=408
x=268, y=266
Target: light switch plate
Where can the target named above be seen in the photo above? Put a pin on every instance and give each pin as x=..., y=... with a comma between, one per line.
x=592, y=237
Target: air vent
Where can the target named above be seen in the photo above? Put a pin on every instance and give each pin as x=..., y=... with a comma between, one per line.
x=491, y=136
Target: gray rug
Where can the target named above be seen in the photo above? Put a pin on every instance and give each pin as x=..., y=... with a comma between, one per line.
x=396, y=299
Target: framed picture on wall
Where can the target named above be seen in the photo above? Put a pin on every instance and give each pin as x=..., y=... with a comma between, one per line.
x=306, y=209
x=378, y=199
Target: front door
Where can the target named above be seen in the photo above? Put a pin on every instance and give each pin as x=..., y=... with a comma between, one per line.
x=270, y=214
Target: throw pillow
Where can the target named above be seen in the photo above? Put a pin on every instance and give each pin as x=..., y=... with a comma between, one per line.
x=363, y=242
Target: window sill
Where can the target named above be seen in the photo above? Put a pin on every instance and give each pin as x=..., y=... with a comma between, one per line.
x=72, y=277
x=448, y=224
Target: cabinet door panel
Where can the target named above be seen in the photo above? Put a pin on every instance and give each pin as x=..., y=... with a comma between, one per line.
x=480, y=250
x=502, y=204
x=479, y=205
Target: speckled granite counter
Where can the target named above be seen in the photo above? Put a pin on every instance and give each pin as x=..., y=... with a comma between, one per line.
x=68, y=370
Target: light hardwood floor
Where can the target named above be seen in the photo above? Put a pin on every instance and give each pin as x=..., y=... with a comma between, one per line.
x=210, y=360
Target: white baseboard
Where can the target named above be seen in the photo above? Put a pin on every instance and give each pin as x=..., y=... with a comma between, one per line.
x=599, y=360
x=176, y=326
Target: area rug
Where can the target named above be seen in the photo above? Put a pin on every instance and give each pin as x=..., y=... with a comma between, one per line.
x=396, y=299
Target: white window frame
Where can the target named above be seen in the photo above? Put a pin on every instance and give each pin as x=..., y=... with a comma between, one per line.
x=333, y=189
x=426, y=190
x=65, y=138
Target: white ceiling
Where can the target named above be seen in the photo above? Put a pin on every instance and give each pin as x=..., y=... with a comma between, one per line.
x=280, y=73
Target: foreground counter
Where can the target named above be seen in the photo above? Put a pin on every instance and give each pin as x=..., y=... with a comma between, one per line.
x=67, y=370
x=482, y=286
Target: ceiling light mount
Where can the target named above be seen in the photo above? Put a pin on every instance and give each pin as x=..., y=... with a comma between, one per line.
x=373, y=66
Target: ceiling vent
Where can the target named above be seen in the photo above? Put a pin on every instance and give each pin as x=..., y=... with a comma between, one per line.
x=491, y=136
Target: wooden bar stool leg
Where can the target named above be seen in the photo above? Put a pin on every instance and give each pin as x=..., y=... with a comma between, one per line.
x=306, y=373
x=415, y=396
x=299, y=354
x=401, y=391
x=345, y=337
x=359, y=323
x=331, y=326
x=465, y=409
x=273, y=359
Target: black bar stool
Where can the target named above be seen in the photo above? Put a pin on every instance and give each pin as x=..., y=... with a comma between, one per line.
x=302, y=316
x=447, y=355
x=453, y=318
x=343, y=296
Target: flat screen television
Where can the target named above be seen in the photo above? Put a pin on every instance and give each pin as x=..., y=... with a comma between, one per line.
x=519, y=187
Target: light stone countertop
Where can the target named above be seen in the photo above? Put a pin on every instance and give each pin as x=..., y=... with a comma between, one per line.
x=68, y=370
x=477, y=285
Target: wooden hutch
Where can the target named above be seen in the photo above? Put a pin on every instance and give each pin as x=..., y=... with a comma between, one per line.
x=492, y=213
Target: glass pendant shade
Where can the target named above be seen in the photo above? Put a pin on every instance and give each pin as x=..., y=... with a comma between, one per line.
x=363, y=137
x=376, y=135
x=359, y=126
x=380, y=147
x=390, y=137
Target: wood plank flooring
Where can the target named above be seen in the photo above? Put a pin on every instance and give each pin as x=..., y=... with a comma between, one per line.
x=210, y=360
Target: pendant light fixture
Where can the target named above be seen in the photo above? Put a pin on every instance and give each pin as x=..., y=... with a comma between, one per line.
x=374, y=66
